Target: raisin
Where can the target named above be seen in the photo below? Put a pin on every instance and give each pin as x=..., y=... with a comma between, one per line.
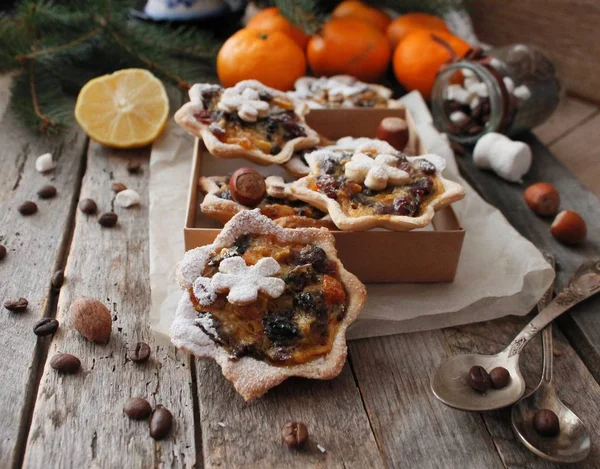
x=292, y=131
x=288, y=117
x=342, y=314
x=204, y=116
x=246, y=350
x=422, y=186
x=264, y=96
x=275, y=149
x=368, y=192
x=280, y=329
x=313, y=255
x=383, y=209
x=299, y=277
x=216, y=130
x=426, y=167
x=329, y=166
x=304, y=300
x=328, y=185
x=406, y=167
x=404, y=205
x=242, y=244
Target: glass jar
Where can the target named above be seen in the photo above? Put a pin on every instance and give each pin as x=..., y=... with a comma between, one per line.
x=508, y=90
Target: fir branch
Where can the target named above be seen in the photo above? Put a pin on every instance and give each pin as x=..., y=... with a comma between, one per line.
x=436, y=7
x=51, y=50
x=306, y=14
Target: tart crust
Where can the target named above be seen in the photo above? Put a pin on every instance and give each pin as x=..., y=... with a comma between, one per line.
x=251, y=377
x=223, y=209
x=452, y=192
x=185, y=118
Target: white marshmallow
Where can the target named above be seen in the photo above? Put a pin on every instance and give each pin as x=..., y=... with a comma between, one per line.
x=44, y=163
x=459, y=118
x=509, y=84
x=508, y=159
x=522, y=93
x=479, y=89
x=460, y=94
x=127, y=198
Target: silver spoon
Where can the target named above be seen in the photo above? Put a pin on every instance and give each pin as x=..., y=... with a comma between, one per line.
x=449, y=384
x=573, y=443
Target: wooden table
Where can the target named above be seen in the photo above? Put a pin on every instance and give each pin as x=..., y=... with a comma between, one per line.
x=378, y=413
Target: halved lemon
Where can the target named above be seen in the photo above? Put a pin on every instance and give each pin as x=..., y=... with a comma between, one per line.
x=125, y=109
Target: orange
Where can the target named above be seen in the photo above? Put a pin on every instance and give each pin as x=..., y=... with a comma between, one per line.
x=125, y=109
x=349, y=46
x=271, y=58
x=406, y=24
x=360, y=11
x=419, y=56
x=270, y=20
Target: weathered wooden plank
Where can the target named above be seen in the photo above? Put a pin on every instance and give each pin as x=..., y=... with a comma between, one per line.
x=35, y=247
x=235, y=434
x=78, y=420
x=571, y=113
x=582, y=325
x=567, y=29
x=579, y=152
x=574, y=384
x=412, y=428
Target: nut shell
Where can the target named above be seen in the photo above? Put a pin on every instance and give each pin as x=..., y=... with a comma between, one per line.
x=394, y=131
x=569, y=228
x=247, y=187
x=92, y=319
x=543, y=199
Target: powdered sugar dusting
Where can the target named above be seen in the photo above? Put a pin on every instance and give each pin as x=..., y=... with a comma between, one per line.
x=204, y=291
x=207, y=323
x=192, y=265
x=244, y=282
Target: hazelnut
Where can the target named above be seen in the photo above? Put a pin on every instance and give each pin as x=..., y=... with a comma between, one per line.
x=247, y=187
x=569, y=228
x=543, y=199
x=92, y=319
x=394, y=131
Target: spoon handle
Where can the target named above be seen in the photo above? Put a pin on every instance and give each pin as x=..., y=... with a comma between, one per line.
x=547, y=332
x=584, y=283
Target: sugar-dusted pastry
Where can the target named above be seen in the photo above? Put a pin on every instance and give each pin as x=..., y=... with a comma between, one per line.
x=249, y=120
x=267, y=303
x=341, y=91
x=227, y=195
x=374, y=185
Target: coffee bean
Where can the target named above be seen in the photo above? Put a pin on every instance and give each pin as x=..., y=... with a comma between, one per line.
x=88, y=206
x=27, y=208
x=160, y=423
x=58, y=279
x=479, y=379
x=45, y=326
x=2, y=252
x=47, y=192
x=16, y=306
x=108, y=219
x=140, y=352
x=133, y=167
x=118, y=187
x=294, y=434
x=137, y=408
x=499, y=377
x=546, y=423
x=65, y=363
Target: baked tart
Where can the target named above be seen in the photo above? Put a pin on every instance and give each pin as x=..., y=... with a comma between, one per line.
x=249, y=120
x=375, y=185
x=341, y=91
x=267, y=303
x=227, y=195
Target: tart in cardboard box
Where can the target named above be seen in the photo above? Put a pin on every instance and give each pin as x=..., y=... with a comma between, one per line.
x=375, y=256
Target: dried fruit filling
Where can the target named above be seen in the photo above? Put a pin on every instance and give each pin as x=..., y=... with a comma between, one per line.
x=268, y=134
x=298, y=326
x=358, y=200
x=274, y=207
x=366, y=98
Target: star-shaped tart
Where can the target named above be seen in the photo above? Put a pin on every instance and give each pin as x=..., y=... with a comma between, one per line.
x=374, y=185
x=249, y=120
x=278, y=204
x=267, y=303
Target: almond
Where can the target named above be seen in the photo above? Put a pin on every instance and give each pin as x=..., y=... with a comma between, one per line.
x=92, y=319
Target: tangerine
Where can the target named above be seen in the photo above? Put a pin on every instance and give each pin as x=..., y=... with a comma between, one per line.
x=363, y=12
x=270, y=20
x=406, y=24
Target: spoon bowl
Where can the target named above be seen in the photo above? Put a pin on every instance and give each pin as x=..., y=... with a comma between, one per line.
x=572, y=444
x=450, y=383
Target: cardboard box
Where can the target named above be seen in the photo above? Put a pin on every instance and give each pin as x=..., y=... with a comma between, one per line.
x=375, y=256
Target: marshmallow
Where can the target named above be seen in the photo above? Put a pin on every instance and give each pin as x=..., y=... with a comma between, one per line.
x=522, y=93
x=460, y=94
x=44, y=163
x=459, y=118
x=508, y=159
x=509, y=84
x=127, y=198
x=479, y=89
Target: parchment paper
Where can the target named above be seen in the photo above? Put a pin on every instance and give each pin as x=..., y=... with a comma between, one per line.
x=500, y=272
